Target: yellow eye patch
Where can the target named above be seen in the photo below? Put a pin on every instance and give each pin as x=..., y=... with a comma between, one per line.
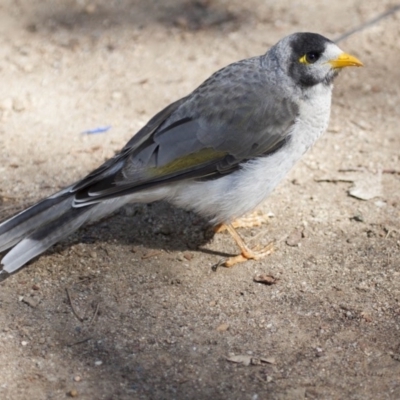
x=303, y=59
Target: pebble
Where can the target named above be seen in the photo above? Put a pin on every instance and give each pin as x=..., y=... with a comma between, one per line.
x=116, y=95
x=18, y=105
x=98, y=363
x=240, y=359
x=358, y=218
x=268, y=360
x=265, y=279
x=77, y=378
x=223, y=328
x=31, y=301
x=91, y=8
x=294, y=238
x=334, y=129
x=73, y=393
x=24, y=343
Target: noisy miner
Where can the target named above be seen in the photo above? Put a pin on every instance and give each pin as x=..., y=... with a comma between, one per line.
x=220, y=151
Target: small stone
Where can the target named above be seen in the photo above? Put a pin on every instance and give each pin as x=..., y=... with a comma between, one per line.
x=268, y=360
x=24, y=343
x=240, y=359
x=77, y=378
x=73, y=393
x=294, y=238
x=93, y=255
x=116, y=95
x=358, y=218
x=334, y=129
x=18, y=105
x=380, y=203
x=266, y=279
x=91, y=8
x=363, y=286
x=223, y=328
x=319, y=352
x=31, y=301
x=98, y=363
x=366, y=316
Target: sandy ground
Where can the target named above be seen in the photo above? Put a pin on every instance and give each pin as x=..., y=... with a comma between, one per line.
x=152, y=320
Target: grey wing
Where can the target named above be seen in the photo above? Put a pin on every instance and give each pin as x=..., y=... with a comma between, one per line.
x=134, y=143
x=210, y=132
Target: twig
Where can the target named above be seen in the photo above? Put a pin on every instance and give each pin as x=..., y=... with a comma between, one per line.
x=95, y=313
x=80, y=342
x=368, y=23
x=355, y=169
x=151, y=254
x=389, y=232
x=72, y=306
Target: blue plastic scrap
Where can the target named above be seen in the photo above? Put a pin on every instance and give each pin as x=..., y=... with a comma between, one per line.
x=99, y=129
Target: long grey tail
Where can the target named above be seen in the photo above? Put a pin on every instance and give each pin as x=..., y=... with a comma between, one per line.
x=37, y=228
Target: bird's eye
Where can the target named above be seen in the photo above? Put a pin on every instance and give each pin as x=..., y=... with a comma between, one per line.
x=310, y=58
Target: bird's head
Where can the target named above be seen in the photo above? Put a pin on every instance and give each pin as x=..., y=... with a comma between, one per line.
x=310, y=59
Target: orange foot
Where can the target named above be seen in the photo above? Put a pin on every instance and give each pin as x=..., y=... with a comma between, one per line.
x=246, y=252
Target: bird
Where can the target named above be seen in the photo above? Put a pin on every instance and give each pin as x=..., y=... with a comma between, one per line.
x=219, y=151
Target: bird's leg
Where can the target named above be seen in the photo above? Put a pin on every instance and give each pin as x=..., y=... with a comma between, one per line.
x=246, y=252
x=254, y=219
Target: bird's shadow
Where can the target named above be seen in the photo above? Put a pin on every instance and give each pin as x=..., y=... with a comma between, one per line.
x=156, y=226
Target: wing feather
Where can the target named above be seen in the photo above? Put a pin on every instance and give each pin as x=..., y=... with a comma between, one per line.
x=193, y=138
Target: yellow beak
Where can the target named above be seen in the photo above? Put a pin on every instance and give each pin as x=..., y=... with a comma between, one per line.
x=345, y=60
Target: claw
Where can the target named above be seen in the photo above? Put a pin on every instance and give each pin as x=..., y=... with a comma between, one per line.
x=255, y=253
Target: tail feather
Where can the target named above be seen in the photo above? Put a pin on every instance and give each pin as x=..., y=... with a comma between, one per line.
x=44, y=237
x=33, y=231
x=22, y=224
